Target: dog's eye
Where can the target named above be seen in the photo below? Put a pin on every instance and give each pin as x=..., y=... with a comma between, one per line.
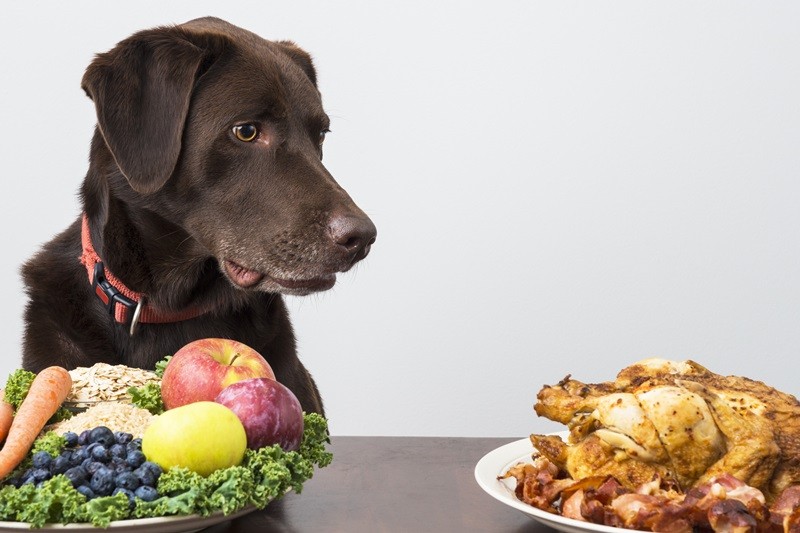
x=245, y=132
x=322, y=135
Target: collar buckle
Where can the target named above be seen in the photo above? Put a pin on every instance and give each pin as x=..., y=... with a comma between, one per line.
x=110, y=291
x=110, y=296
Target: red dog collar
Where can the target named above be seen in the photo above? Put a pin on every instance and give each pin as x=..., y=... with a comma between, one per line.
x=126, y=306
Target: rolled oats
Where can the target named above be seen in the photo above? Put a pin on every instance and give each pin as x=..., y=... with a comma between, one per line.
x=114, y=415
x=105, y=382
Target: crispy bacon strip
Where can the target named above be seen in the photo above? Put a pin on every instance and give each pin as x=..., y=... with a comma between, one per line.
x=538, y=484
x=731, y=516
x=785, y=510
x=791, y=522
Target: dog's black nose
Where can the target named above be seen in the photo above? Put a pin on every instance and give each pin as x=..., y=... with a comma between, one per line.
x=353, y=235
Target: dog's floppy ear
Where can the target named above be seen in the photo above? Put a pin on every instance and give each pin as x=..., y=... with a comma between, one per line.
x=141, y=90
x=301, y=57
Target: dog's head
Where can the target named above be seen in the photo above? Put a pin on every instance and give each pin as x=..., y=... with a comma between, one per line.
x=220, y=132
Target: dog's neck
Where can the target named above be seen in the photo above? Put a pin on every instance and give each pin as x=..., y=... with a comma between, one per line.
x=146, y=252
x=127, y=306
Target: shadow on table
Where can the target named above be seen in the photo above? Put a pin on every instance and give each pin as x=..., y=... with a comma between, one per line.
x=533, y=527
x=270, y=520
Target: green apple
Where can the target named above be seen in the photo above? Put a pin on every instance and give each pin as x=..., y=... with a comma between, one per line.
x=200, y=436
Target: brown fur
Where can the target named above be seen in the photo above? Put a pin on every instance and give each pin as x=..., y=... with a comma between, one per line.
x=171, y=194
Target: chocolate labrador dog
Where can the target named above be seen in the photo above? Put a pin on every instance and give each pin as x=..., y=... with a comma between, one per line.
x=205, y=201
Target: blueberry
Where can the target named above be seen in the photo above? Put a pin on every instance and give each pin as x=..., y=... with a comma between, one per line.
x=14, y=481
x=83, y=438
x=122, y=468
x=118, y=459
x=71, y=438
x=101, y=453
x=102, y=482
x=92, y=466
x=42, y=460
x=122, y=437
x=91, y=446
x=135, y=458
x=153, y=467
x=106, y=471
x=40, y=474
x=86, y=491
x=103, y=435
x=126, y=492
x=146, y=493
x=118, y=450
x=135, y=444
x=127, y=480
x=60, y=464
x=28, y=480
x=76, y=475
x=145, y=476
x=79, y=455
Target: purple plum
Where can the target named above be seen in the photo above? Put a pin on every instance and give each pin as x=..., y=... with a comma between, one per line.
x=270, y=412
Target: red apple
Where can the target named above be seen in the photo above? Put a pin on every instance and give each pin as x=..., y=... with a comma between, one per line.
x=201, y=369
x=269, y=411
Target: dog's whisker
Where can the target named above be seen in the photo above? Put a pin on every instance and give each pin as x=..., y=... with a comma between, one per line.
x=165, y=235
x=183, y=242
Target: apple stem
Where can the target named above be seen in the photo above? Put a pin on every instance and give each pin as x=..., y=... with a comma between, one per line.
x=237, y=354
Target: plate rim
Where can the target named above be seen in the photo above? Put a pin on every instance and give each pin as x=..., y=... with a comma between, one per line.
x=135, y=523
x=497, y=462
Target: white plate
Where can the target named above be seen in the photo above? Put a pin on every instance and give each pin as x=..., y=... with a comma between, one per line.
x=166, y=524
x=496, y=462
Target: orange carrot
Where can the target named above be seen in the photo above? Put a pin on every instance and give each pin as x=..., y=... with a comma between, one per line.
x=48, y=391
x=6, y=415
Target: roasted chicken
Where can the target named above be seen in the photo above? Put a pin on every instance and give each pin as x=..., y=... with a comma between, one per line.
x=675, y=420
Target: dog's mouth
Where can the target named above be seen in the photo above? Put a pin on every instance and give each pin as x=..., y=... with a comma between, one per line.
x=247, y=278
x=241, y=276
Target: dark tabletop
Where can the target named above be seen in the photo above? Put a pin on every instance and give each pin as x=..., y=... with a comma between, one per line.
x=388, y=484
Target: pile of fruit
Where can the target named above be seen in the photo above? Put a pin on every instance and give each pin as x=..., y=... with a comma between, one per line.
x=227, y=436
x=211, y=380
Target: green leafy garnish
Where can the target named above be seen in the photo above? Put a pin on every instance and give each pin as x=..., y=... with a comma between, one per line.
x=101, y=511
x=51, y=442
x=17, y=387
x=54, y=501
x=149, y=396
x=161, y=365
x=230, y=489
x=315, y=436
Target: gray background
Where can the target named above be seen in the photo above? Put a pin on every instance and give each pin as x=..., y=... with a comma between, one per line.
x=559, y=188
